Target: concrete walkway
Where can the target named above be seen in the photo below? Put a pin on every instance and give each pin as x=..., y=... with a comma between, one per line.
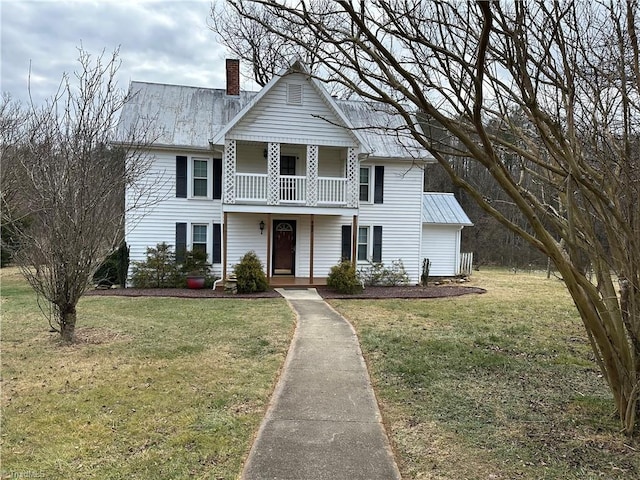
x=323, y=422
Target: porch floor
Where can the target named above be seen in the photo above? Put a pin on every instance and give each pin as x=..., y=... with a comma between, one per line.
x=291, y=281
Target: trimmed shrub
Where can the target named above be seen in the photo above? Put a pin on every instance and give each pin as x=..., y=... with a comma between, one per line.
x=376, y=274
x=250, y=274
x=344, y=279
x=159, y=270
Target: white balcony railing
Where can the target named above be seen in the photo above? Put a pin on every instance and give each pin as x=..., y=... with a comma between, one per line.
x=332, y=190
x=293, y=189
x=253, y=187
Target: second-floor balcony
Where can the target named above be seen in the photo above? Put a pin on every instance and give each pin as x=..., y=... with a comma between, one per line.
x=292, y=189
x=290, y=175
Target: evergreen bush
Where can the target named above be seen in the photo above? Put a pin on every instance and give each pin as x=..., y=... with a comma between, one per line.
x=114, y=269
x=159, y=270
x=344, y=279
x=250, y=274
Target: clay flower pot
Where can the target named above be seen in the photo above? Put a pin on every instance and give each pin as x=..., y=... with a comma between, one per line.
x=195, y=282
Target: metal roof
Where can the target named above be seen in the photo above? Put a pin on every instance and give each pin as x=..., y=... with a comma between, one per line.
x=182, y=116
x=443, y=209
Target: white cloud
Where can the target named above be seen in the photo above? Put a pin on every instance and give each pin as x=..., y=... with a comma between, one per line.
x=159, y=41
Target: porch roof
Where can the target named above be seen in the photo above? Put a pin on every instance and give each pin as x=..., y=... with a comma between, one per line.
x=443, y=209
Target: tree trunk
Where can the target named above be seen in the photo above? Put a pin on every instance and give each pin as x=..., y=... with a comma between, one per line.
x=68, y=323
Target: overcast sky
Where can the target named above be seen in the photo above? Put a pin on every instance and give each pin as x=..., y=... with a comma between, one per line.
x=165, y=41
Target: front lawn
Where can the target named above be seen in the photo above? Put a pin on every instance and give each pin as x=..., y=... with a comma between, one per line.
x=494, y=386
x=156, y=388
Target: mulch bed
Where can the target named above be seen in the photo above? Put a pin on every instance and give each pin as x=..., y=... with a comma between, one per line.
x=368, y=293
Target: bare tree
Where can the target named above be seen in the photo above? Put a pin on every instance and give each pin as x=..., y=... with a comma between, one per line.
x=63, y=185
x=571, y=69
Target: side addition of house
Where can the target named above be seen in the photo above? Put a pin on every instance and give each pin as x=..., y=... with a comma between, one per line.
x=287, y=172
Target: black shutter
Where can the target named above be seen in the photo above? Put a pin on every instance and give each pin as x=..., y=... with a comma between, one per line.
x=378, y=189
x=346, y=242
x=181, y=241
x=216, y=254
x=181, y=177
x=217, y=178
x=377, y=243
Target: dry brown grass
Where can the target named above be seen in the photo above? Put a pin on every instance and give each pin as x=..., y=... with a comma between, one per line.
x=494, y=386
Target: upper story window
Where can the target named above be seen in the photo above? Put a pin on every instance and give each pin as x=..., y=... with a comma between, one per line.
x=372, y=179
x=365, y=183
x=200, y=177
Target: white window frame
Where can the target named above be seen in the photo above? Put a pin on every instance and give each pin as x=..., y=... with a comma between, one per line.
x=360, y=184
x=191, y=178
x=368, y=244
x=207, y=240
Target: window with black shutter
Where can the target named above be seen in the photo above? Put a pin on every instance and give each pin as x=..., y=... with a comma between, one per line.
x=217, y=178
x=216, y=254
x=378, y=185
x=181, y=177
x=346, y=242
x=181, y=241
x=377, y=244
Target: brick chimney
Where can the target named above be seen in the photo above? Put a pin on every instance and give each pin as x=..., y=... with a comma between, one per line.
x=233, y=76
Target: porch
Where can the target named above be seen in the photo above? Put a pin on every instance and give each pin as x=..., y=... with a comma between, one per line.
x=274, y=174
x=283, y=281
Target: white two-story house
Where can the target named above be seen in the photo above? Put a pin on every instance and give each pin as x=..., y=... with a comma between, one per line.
x=288, y=172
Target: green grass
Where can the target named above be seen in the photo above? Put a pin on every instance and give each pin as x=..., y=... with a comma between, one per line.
x=500, y=385
x=156, y=388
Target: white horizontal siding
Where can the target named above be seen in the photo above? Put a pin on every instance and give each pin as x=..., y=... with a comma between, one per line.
x=441, y=245
x=331, y=162
x=250, y=159
x=243, y=235
x=156, y=223
x=273, y=119
x=400, y=215
x=328, y=243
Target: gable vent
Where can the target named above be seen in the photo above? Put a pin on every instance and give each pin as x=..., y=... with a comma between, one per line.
x=294, y=93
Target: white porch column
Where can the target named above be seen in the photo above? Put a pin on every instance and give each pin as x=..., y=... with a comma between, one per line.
x=312, y=175
x=353, y=174
x=273, y=171
x=229, y=174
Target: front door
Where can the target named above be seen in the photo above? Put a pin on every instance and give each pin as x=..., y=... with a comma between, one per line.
x=284, y=247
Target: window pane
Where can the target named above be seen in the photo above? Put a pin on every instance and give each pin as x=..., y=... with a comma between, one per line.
x=199, y=187
x=364, y=184
x=363, y=234
x=363, y=243
x=364, y=193
x=200, y=247
x=200, y=168
x=200, y=234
